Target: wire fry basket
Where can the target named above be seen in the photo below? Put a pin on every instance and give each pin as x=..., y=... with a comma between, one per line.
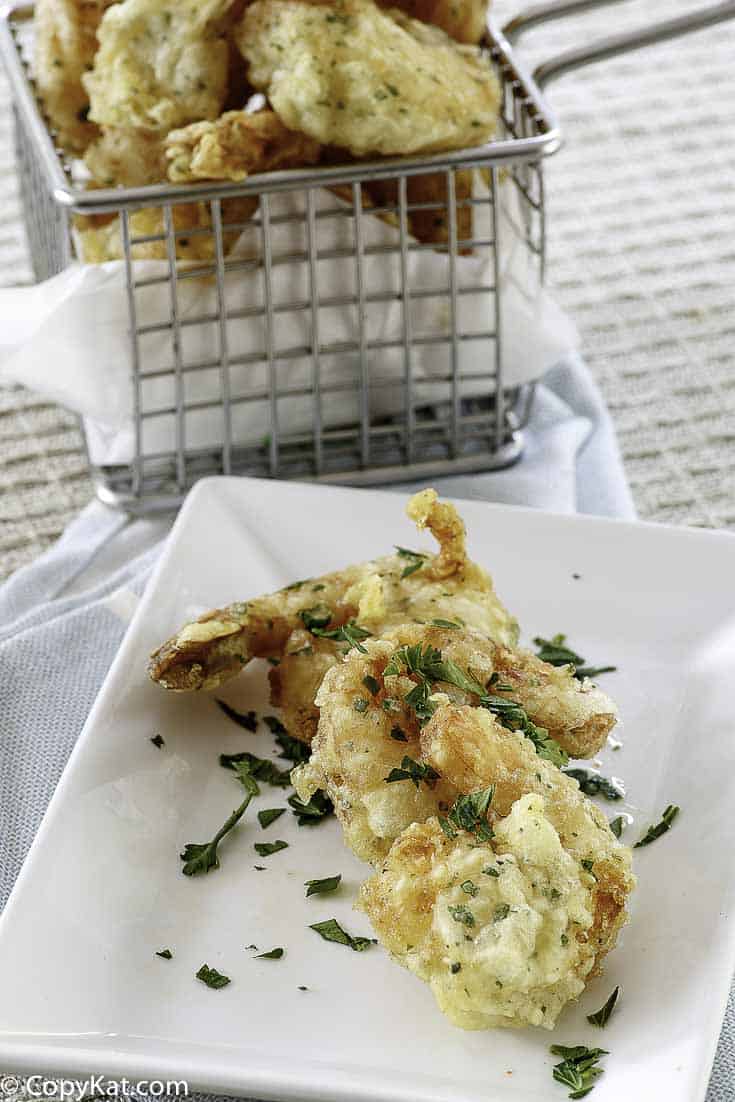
x=365, y=413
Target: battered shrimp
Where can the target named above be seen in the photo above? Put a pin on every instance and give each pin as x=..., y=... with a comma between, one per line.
x=379, y=594
x=503, y=930
x=368, y=723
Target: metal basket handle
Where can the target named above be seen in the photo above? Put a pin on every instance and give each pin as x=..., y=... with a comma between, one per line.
x=612, y=45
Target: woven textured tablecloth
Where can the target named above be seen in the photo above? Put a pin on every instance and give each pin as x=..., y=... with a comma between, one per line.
x=641, y=212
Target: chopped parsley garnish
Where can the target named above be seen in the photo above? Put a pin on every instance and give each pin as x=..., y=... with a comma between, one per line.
x=259, y=868
x=265, y=849
x=461, y=913
x=490, y=871
x=331, y=930
x=291, y=748
x=360, y=704
x=415, y=771
x=470, y=813
x=659, y=828
x=212, y=977
x=556, y=653
x=618, y=825
x=316, y=617
x=371, y=684
x=415, y=561
x=456, y=967
x=428, y=666
x=248, y=720
x=469, y=888
x=269, y=815
x=201, y=857
x=158, y=742
x=272, y=954
x=577, y=1069
x=165, y=953
x=398, y=734
x=350, y=633
x=587, y=864
x=447, y=827
x=259, y=768
x=318, y=808
x=602, y=1016
x=594, y=784
x=446, y=624
x=320, y=887
x=501, y=911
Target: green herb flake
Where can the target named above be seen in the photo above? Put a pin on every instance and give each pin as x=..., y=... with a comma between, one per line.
x=398, y=734
x=272, y=954
x=578, y=1068
x=411, y=770
x=618, y=825
x=602, y=1016
x=321, y=887
x=360, y=704
x=260, y=769
x=199, y=857
x=318, y=808
x=269, y=815
x=248, y=720
x=594, y=784
x=165, y=954
x=371, y=684
x=470, y=813
x=587, y=864
x=461, y=913
x=501, y=912
x=490, y=871
x=447, y=827
x=659, y=828
x=316, y=617
x=291, y=748
x=158, y=742
x=555, y=652
x=469, y=888
x=416, y=560
x=350, y=633
x=265, y=849
x=450, y=624
x=331, y=930
x=456, y=967
x=212, y=977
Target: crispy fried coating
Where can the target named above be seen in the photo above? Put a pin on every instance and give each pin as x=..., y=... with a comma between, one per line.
x=355, y=747
x=236, y=145
x=126, y=157
x=462, y=20
x=294, y=682
x=65, y=45
x=379, y=594
x=160, y=64
x=370, y=81
x=500, y=930
x=471, y=751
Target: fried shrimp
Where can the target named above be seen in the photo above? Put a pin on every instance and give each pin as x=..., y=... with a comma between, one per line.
x=351, y=75
x=160, y=64
x=372, y=705
x=65, y=45
x=401, y=587
x=504, y=930
x=236, y=145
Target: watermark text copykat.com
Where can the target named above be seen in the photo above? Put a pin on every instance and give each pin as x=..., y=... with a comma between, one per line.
x=45, y=1088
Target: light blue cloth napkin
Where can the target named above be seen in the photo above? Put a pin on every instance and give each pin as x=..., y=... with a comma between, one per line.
x=64, y=616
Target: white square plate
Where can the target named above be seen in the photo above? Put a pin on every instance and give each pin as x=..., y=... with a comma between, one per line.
x=102, y=888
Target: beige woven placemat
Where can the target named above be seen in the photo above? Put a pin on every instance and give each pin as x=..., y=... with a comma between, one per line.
x=641, y=210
